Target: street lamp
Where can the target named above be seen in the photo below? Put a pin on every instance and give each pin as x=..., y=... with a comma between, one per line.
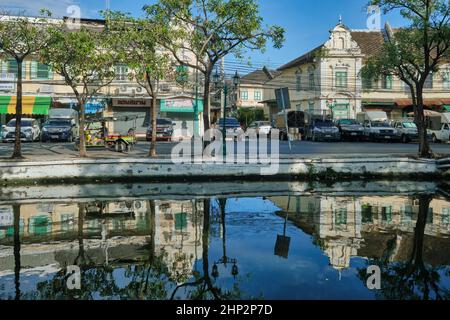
x=224, y=259
x=217, y=80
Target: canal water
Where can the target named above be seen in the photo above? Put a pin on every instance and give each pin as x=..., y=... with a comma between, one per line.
x=300, y=241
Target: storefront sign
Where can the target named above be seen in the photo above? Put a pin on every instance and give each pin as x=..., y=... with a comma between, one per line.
x=7, y=86
x=127, y=103
x=180, y=105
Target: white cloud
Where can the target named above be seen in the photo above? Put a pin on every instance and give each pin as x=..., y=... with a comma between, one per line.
x=32, y=7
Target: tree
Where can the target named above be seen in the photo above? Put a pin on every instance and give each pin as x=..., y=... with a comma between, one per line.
x=209, y=30
x=415, y=52
x=81, y=57
x=135, y=41
x=22, y=37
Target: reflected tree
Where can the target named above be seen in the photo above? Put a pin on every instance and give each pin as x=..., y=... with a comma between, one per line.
x=204, y=287
x=17, y=264
x=412, y=279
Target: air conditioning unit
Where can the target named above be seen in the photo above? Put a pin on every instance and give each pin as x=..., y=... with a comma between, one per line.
x=164, y=87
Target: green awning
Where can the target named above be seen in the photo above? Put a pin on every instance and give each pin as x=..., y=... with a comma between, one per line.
x=30, y=105
x=447, y=108
x=180, y=105
x=378, y=103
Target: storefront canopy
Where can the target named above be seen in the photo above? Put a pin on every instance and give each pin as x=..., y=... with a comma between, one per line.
x=180, y=105
x=30, y=105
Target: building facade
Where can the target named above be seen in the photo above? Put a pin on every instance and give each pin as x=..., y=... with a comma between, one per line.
x=327, y=81
x=44, y=89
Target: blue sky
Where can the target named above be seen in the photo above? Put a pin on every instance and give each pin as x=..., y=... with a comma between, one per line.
x=306, y=22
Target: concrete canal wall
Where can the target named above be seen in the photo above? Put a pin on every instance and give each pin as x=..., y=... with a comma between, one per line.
x=97, y=170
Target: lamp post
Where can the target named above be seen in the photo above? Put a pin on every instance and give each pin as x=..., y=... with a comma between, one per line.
x=218, y=84
x=224, y=259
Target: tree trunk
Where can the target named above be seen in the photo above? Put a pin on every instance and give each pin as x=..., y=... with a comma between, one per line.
x=17, y=154
x=81, y=259
x=82, y=146
x=205, y=236
x=206, y=107
x=17, y=264
x=419, y=232
x=153, y=116
x=152, y=226
x=424, y=146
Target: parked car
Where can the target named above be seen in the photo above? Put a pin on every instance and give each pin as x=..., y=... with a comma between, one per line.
x=407, y=130
x=60, y=130
x=232, y=128
x=322, y=129
x=261, y=127
x=376, y=126
x=442, y=135
x=29, y=130
x=350, y=129
x=164, y=130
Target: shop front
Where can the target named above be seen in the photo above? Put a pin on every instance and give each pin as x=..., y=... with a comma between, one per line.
x=32, y=107
x=181, y=111
x=137, y=111
x=387, y=106
x=94, y=107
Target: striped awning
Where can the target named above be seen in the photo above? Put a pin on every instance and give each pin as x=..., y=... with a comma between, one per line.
x=30, y=105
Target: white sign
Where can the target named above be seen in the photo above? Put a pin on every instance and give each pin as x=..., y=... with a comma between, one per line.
x=7, y=81
x=6, y=216
x=131, y=102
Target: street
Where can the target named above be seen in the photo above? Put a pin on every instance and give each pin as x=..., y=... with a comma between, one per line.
x=301, y=149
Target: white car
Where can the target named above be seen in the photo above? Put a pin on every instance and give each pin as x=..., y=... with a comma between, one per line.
x=442, y=135
x=261, y=127
x=29, y=130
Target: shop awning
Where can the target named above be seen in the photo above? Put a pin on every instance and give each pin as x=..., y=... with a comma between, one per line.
x=180, y=105
x=447, y=108
x=426, y=102
x=30, y=105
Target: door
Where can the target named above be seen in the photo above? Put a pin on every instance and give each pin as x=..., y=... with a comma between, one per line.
x=341, y=111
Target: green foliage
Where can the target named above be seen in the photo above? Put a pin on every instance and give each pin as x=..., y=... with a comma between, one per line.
x=413, y=52
x=214, y=27
x=22, y=36
x=135, y=41
x=247, y=115
x=82, y=58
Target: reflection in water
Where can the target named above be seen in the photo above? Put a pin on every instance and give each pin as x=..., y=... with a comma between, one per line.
x=312, y=246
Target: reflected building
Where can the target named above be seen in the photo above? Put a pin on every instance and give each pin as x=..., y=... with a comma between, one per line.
x=111, y=232
x=368, y=226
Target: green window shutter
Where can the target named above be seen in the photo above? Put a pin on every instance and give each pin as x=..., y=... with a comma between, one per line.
x=3, y=66
x=34, y=67
x=24, y=69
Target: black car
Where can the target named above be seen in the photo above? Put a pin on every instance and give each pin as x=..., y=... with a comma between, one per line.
x=59, y=130
x=232, y=127
x=350, y=129
x=320, y=130
x=164, y=130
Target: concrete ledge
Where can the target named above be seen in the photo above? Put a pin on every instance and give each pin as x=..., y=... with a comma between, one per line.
x=152, y=170
x=76, y=193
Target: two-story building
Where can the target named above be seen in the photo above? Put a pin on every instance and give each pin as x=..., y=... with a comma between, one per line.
x=327, y=80
x=44, y=89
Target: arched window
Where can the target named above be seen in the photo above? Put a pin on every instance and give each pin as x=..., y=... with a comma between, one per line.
x=341, y=43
